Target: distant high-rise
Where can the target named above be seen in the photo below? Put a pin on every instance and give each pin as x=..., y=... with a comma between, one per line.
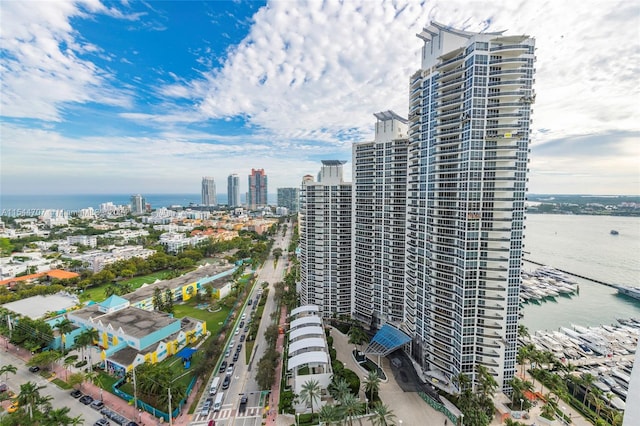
x=469, y=112
x=138, y=204
x=325, y=241
x=209, y=192
x=379, y=198
x=233, y=190
x=289, y=198
x=257, y=189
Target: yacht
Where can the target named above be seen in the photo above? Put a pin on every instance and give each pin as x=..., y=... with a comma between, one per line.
x=625, y=290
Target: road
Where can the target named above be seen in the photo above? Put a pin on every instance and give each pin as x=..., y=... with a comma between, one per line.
x=243, y=378
x=61, y=398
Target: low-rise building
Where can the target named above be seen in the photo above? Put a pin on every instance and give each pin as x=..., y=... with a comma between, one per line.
x=308, y=352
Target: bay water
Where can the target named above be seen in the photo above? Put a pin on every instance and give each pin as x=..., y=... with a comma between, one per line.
x=584, y=245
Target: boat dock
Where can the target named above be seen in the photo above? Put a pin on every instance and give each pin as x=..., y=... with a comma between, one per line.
x=575, y=275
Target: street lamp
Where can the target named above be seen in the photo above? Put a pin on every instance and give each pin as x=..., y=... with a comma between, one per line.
x=521, y=401
x=461, y=419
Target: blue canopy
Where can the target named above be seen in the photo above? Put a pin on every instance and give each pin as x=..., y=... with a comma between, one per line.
x=387, y=340
x=186, y=353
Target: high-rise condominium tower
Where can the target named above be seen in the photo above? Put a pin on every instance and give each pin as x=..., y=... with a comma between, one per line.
x=469, y=113
x=289, y=198
x=209, y=192
x=325, y=241
x=257, y=189
x=138, y=204
x=379, y=208
x=233, y=190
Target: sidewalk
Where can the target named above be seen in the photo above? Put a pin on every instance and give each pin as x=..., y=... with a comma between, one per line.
x=110, y=400
x=274, y=400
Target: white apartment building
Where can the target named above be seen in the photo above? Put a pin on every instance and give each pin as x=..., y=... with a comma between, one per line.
x=209, y=197
x=379, y=209
x=176, y=242
x=85, y=240
x=469, y=113
x=325, y=241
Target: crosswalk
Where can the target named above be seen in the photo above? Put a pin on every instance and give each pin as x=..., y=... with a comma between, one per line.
x=226, y=413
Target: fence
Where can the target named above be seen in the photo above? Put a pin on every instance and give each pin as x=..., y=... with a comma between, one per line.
x=149, y=408
x=439, y=407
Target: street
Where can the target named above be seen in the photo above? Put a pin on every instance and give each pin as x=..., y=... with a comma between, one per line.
x=243, y=377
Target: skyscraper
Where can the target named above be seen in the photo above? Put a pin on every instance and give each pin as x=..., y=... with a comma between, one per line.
x=138, y=204
x=379, y=198
x=289, y=198
x=325, y=241
x=469, y=113
x=233, y=190
x=209, y=192
x=257, y=189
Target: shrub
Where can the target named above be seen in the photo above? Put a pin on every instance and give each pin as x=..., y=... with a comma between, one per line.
x=354, y=381
x=71, y=358
x=80, y=364
x=286, y=401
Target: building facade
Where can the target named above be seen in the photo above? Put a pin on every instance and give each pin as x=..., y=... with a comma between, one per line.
x=257, y=195
x=138, y=204
x=289, y=198
x=233, y=190
x=325, y=241
x=209, y=197
x=469, y=114
x=379, y=209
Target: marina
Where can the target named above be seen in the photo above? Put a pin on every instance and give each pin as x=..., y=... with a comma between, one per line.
x=546, y=283
x=606, y=353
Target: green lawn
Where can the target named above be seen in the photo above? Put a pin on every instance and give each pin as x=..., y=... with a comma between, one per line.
x=213, y=319
x=97, y=293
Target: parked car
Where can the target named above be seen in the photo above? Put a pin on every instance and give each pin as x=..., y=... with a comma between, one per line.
x=76, y=393
x=242, y=338
x=211, y=423
x=34, y=369
x=3, y=387
x=236, y=356
x=223, y=367
x=86, y=400
x=102, y=422
x=132, y=424
x=241, y=324
x=230, y=369
x=97, y=405
x=239, y=348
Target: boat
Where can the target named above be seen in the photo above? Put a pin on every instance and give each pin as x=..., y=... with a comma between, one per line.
x=633, y=292
x=614, y=232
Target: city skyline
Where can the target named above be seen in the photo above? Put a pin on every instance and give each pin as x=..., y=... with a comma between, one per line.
x=147, y=98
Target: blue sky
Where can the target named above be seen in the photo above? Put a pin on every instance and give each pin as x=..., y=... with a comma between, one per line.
x=148, y=97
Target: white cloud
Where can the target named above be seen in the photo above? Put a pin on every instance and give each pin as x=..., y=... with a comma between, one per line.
x=41, y=69
x=322, y=67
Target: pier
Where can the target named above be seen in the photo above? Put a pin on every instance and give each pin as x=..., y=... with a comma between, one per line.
x=574, y=274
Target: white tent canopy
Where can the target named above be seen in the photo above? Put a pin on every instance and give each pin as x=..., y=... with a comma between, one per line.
x=312, y=330
x=311, y=342
x=315, y=357
x=309, y=320
x=305, y=308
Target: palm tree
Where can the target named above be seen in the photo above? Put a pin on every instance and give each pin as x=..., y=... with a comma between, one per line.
x=487, y=384
x=598, y=403
x=339, y=389
x=29, y=396
x=357, y=336
x=6, y=369
x=68, y=362
x=58, y=417
x=587, y=380
x=371, y=384
x=523, y=331
x=87, y=338
x=64, y=327
x=310, y=392
x=382, y=415
x=351, y=406
x=329, y=414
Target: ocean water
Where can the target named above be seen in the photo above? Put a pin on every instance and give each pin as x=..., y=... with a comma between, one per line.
x=584, y=245
x=82, y=201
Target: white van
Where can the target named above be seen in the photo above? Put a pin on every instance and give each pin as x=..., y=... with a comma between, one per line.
x=214, y=386
x=217, y=405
